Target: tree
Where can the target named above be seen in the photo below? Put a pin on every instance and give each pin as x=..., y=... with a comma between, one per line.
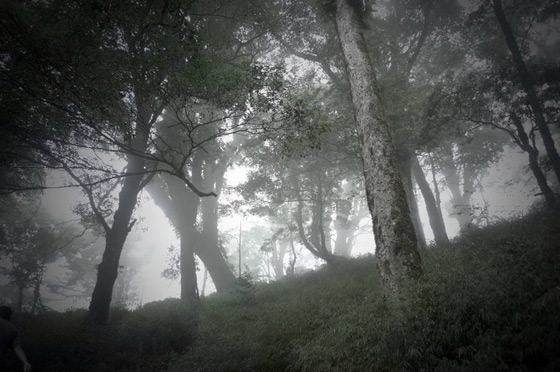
x=405, y=35
x=351, y=209
x=394, y=233
x=506, y=83
x=190, y=141
x=31, y=241
x=434, y=213
x=160, y=59
x=307, y=172
x=528, y=85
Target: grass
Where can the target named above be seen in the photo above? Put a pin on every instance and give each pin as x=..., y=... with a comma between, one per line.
x=490, y=301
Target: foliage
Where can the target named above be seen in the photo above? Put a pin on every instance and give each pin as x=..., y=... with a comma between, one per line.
x=31, y=240
x=488, y=301
x=473, y=310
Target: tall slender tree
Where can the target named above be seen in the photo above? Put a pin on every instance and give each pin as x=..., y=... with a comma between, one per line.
x=392, y=224
x=528, y=84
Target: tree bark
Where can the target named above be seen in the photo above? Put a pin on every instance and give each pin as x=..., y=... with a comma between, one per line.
x=434, y=213
x=115, y=236
x=114, y=241
x=395, y=237
x=528, y=84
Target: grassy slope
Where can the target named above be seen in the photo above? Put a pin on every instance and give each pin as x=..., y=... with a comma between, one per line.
x=488, y=302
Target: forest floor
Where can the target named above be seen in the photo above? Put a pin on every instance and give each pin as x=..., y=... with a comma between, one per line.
x=490, y=301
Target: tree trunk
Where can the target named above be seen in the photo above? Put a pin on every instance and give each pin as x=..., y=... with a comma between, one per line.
x=185, y=208
x=114, y=241
x=461, y=208
x=526, y=146
x=404, y=163
x=395, y=237
x=343, y=228
x=37, y=289
x=314, y=244
x=115, y=236
x=435, y=182
x=209, y=251
x=434, y=213
x=180, y=205
x=278, y=258
x=217, y=266
x=528, y=84
x=349, y=213
x=189, y=284
x=204, y=280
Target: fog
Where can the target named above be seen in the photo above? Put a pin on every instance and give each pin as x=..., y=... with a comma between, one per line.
x=502, y=198
x=239, y=147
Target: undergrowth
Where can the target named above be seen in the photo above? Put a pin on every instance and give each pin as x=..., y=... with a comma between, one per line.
x=490, y=301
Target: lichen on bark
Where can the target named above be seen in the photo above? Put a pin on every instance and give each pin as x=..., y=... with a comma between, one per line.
x=392, y=224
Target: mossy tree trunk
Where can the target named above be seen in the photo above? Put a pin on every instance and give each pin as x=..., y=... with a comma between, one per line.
x=392, y=225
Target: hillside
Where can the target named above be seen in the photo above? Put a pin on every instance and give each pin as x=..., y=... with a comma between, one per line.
x=490, y=301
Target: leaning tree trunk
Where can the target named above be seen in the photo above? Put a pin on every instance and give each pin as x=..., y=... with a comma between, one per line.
x=404, y=163
x=114, y=241
x=434, y=213
x=209, y=251
x=213, y=259
x=395, y=238
x=115, y=235
x=527, y=81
